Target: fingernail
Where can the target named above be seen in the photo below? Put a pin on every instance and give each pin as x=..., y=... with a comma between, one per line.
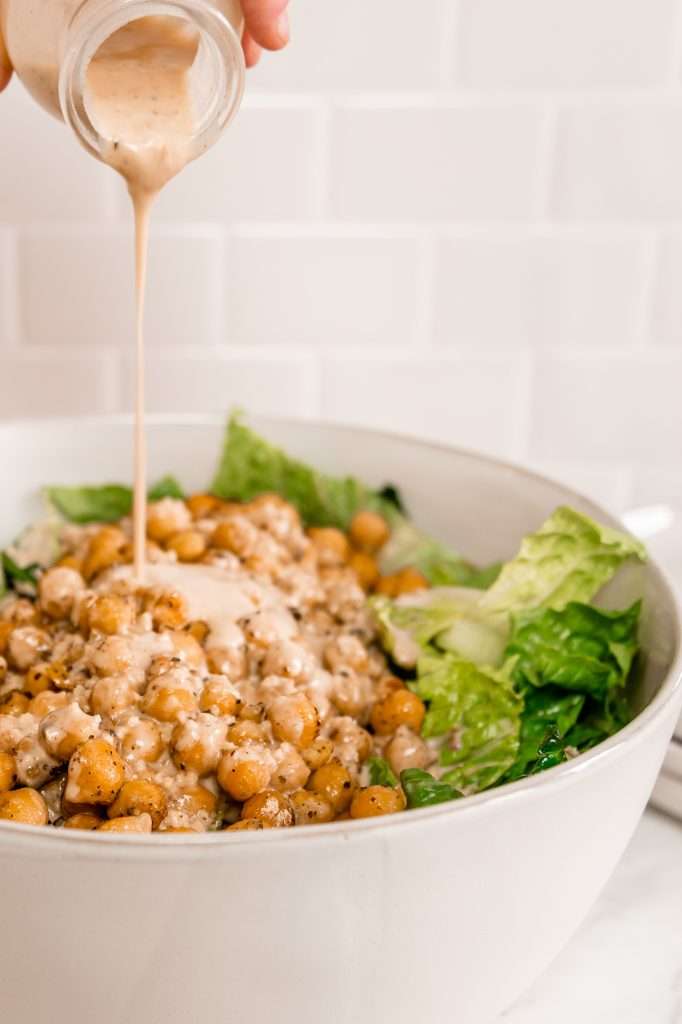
x=282, y=27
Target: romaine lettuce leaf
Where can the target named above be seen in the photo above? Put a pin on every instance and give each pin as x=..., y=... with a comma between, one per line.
x=423, y=790
x=441, y=566
x=449, y=618
x=546, y=713
x=481, y=710
x=380, y=772
x=568, y=559
x=17, y=577
x=580, y=648
x=250, y=466
x=105, y=503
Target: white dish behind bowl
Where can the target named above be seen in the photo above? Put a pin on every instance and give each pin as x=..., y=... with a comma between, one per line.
x=442, y=914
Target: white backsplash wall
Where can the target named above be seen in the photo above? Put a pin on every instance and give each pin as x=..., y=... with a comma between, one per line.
x=459, y=218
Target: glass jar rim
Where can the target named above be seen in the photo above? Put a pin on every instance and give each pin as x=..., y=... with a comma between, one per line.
x=96, y=20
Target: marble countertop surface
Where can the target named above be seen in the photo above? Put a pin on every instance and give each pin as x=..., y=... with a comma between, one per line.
x=624, y=966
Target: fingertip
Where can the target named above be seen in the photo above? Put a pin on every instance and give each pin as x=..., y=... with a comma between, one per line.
x=252, y=50
x=267, y=22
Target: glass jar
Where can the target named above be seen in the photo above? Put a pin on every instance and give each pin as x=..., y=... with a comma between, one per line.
x=51, y=44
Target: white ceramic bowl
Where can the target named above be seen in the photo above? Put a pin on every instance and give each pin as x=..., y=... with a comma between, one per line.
x=443, y=914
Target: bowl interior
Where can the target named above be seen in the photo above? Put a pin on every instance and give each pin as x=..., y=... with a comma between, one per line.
x=480, y=506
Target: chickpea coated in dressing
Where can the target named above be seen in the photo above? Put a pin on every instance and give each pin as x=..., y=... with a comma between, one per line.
x=240, y=687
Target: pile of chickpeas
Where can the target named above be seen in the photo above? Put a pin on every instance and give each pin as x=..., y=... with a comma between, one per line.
x=120, y=712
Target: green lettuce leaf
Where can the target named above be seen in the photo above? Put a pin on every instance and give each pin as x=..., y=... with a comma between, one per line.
x=17, y=577
x=480, y=709
x=423, y=790
x=380, y=772
x=449, y=618
x=166, y=487
x=441, y=566
x=568, y=559
x=580, y=648
x=106, y=503
x=250, y=466
x=546, y=713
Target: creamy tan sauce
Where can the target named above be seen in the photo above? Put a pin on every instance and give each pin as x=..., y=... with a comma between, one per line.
x=139, y=98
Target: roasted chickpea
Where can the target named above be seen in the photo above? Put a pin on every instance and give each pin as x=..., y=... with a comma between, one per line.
x=270, y=807
x=407, y=750
x=112, y=695
x=5, y=631
x=291, y=771
x=64, y=729
x=218, y=697
x=235, y=534
x=318, y=753
x=376, y=800
x=142, y=741
x=139, y=796
x=134, y=823
x=187, y=649
x=246, y=731
x=169, y=610
x=112, y=655
x=369, y=531
x=365, y=568
x=294, y=719
x=226, y=661
x=111, y=614
x=331, y=544
x=104, y=550
x=405, y=581
x=26, y=646
x=197, y=743
x=245, y=825
x=166, y=517
x=3, y=669
x=401, y=707
x=167, y=702
x=47, y=701
x=244, y=772
x=14, y=703
x=333, y=782
x=310, y=808
x=37, y=679
x=26, y=806
x=96, y=773
x=202, y=505
x=8, y=771
x=58, y=589
x=188, y=545
x=86, y=820
x=197, y=800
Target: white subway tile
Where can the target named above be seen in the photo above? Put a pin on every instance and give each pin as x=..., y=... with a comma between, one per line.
x=608, y=405
x=8, y=310
x=469, y=401
x=323, y=290
x=264, y=168
x=619, y=161
x=581, y=44
x=356, y=45
x=542, y=289
x=42, y=383
x=44, y=173
x=209, y=382
x=666, y=325
x=456, y=162
x=663, y=486
x=77, y=287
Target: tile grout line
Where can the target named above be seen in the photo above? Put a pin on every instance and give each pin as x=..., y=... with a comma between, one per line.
x=450, y=56
x=648, y=271
x=543, y=185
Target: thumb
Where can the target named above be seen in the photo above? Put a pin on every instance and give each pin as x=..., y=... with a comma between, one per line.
x=267, y=22
x=5, y=66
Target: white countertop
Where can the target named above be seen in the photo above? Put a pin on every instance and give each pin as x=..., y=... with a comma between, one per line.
x=625, y=964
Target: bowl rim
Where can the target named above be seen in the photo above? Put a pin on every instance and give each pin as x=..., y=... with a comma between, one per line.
x=557, y=777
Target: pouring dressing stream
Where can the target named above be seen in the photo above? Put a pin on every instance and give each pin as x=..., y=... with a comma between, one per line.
x=147, y=86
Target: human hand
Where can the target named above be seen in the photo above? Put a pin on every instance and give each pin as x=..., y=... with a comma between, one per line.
x=266, y=26
x=5, y=66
